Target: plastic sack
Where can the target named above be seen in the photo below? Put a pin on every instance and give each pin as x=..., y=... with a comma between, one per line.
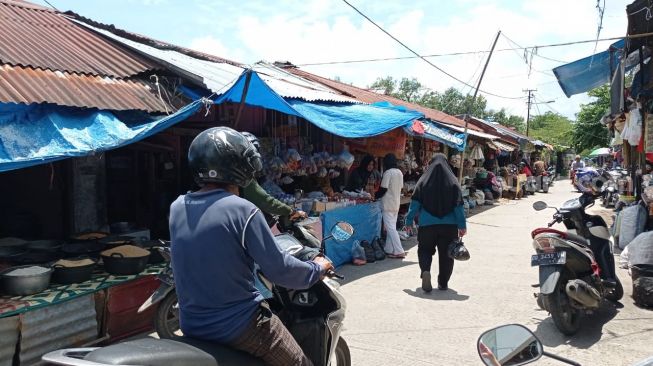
x=633, y=221
x=322, y=172
x=640, y=250
x=346, y=159
x=293, y=155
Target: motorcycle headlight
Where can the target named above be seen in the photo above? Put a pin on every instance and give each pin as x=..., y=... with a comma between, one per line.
x=548, y=243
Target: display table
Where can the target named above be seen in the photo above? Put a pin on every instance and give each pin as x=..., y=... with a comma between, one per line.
x=59, y=293
x=366, y=220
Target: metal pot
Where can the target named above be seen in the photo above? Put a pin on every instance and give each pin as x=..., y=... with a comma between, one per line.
x=115, y=241
x=68, y=275
x=44, y=245
x=155, y=256
x=88, y=247
x=120, y=227
x=22, y=285
x=117, y=264
x=88, y=236
x=35, y=257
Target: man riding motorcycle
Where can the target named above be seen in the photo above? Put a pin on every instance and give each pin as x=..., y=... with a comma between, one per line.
x=587, y=182
x=216, y=238
x=255, y=194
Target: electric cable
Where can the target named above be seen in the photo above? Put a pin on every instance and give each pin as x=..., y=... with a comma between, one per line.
x=423, y=58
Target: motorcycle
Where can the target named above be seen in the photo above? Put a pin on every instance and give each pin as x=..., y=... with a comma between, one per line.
x=314, y=317
x=611, y=191
x=570, y=270
x=543, y=182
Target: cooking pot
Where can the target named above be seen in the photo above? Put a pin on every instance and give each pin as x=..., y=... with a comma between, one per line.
x=88, y=236
x=67, y=275
x=26, y=283
x=88, y=247
x=35, y=257
x=120, y=227
x=155, y=256
x=113, y=241
x=7, y=252
x=44, y=245
x=118, y=264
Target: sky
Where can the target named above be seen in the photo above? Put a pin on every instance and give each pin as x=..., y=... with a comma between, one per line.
x=316, y=31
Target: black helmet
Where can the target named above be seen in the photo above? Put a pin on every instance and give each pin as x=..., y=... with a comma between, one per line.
x=458, y=251
x=253, y=139
x=223, y=155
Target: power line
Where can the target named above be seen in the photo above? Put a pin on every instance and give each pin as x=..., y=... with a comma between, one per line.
x=52, y=6
x=423, y=58
x=519, y=47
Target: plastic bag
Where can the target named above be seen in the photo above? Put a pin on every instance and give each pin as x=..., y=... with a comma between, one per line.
x=640, y=250
x=358, y=254
x=633, y=221
x=346, y=159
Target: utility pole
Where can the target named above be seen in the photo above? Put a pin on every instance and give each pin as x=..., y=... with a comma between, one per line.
x=478, y=86
x=529, y=103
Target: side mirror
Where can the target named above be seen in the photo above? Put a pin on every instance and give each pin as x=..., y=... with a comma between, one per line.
x=540, y=205
x=509, y=345
x=342, y=231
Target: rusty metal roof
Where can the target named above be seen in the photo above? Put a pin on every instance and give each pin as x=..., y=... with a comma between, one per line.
x=27, y=85
x=367, y=96
x=37, y=37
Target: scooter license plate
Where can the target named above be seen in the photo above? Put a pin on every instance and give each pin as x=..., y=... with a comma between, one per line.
x=549, y=259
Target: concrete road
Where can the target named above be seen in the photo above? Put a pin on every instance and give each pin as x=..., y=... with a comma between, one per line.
x=391, y=321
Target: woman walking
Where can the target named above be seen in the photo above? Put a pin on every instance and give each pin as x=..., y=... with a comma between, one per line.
x=437, y=204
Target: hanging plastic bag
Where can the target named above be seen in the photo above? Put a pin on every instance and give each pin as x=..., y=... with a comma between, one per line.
x=358, y=254
x=346, y=158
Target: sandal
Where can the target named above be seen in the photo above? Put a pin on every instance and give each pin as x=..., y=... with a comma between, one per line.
x=396, y=256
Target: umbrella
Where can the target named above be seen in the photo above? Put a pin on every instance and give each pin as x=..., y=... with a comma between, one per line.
x=599, y=152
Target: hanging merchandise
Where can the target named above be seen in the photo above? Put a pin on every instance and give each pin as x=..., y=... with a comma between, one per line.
x=649, y=133
x=477, y=153
x=633, y=129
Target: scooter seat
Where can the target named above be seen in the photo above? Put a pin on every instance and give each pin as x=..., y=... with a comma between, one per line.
x=577, y=238
x=223, y=355
x=151, y=352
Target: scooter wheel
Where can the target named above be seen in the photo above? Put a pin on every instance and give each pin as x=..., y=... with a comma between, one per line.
x=617, y=293
x=342, y=355
x=166, y=322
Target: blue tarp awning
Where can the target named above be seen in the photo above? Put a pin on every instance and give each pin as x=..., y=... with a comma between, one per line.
x=38, y=134
x=440, y=134
x=347, y=120
x=593, y=71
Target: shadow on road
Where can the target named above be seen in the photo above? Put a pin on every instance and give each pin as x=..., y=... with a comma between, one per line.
x=590, y=333
x=450, y=295
x=353, y=273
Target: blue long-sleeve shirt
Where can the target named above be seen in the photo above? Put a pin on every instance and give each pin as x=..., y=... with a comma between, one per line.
x=216, y=239
x=455, y=217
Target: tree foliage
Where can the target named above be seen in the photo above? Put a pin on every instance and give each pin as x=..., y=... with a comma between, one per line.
x=452, y=101
x=552, y=128
x=588, y=131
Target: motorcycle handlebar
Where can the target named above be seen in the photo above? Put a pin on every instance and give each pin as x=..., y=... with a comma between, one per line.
x=333, y=274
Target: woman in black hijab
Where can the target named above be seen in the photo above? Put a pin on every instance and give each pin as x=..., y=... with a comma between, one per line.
x=359, y=178
x=438, y=205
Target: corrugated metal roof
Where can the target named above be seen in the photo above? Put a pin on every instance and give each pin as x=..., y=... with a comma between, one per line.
x=32, y=36
x=474, y=133
x=65, y=325
x=220, y=76
x=8, y=339
x=27, y=85
x=367, y=96
x=289, y=85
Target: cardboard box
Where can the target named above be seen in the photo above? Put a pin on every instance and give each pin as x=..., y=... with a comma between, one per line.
x=319, y=207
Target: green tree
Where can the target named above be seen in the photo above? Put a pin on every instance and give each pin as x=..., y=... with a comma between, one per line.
x=552, y=128
x=588, y=131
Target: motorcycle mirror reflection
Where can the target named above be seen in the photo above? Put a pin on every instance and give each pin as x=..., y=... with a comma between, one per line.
x=342, y=231
x=511, y=344
x=540, y=205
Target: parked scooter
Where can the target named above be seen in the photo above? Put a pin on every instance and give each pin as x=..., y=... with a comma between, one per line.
x=314, y=317
x=542, y=182
x=574, y=279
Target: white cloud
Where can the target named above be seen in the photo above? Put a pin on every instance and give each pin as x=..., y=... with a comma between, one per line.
x=320, y=30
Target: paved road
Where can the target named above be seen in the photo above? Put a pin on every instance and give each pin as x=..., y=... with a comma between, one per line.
x=391, y=321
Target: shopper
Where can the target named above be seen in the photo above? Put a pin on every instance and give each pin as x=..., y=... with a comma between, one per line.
x=363, y=178
x=390, y=194
x=438, y=205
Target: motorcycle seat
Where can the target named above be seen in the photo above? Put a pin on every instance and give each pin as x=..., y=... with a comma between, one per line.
x=223, y=355
x=151, y=352
x=576, y=238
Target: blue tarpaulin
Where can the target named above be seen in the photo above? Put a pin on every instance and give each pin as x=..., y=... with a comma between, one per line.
x=347, y=120
x=440, y=134
x=593, y=71
x=366, y=220
x=37, y=134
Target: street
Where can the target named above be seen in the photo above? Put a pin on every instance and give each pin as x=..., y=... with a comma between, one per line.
x=391, y=321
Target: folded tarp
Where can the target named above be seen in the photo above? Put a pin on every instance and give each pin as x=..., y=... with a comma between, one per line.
x=430, y=130
x=38, y=134
x=593, y=71
x=349, y=120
